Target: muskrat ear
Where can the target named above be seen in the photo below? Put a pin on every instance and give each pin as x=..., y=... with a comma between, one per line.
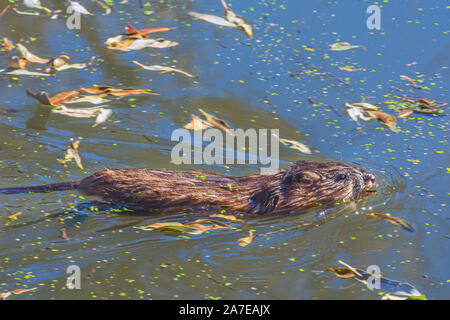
x=307, y=177
x=264, y=201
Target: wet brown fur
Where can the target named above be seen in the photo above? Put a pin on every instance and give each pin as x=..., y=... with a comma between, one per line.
x=304, y=185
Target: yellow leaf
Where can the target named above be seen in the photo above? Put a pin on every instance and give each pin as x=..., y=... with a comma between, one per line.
x=246, y=240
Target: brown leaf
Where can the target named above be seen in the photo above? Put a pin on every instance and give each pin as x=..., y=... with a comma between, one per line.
x=227, y=217
x=15, y=215
x=29, y=56
x=388, y=119
x=405, y=113
x=246, y=240
x=394, y=220
x=343, y=273
x=131, y=31
x=197, y=124
x=219, y=123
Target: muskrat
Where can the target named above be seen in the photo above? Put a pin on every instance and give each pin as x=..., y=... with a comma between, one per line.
x=306, y=184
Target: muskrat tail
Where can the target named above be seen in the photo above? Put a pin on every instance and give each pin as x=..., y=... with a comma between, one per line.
x=43, y=188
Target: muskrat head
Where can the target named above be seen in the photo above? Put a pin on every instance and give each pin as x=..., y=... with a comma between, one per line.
x=309, y=183
x=325, y=183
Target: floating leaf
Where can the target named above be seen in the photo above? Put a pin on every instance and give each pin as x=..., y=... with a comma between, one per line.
x=411, y=81
x=405, y=113
x=29, y=56
x=7, y=45
x=163, y=69
x=197, y=124
x=15, y=215
x=341, y=46
x=219, y=123
x=78, y=8
x=227, y=217
x=191, y=228
x=246, y=240
x=36, y=4
x=22, y=72
x=72, y=153
x=395, y=220
x=363, y=105
x=103, y=115
x=238, y=21
x=389, y=120
x=294, y=144
x=392, y=287
x=132, y=32
x=212, y=19
x=27, y=13
x=104, y=6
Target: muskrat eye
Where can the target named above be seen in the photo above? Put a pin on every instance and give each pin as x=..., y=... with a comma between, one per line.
x=341, y=176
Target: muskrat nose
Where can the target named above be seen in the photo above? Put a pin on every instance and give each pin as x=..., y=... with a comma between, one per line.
x=369, y=178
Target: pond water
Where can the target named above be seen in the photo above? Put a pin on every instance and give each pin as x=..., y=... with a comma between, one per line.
x=286, y=77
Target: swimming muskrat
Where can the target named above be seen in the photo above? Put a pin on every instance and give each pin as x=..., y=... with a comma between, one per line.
x=306, y=184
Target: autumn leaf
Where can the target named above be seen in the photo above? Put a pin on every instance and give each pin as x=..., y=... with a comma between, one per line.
x=197, y=124
x=72, y=153
x=294, y=144
x=29, y=56
x=227, y=217
x=132, y=32
x=163, y=69
x=246, y=240
x=194, y=227
x=219, y=123
x=212, y=19
x=410, y=81
x=394, y=220
x=15, y=215
x=389, y=120
x=405, y=113
x=341, y=46
x=7, y=45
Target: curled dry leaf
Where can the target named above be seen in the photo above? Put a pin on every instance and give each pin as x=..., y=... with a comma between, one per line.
x=15, y=215
x=163, y=69
x=246, y=240
x=394, y=220
x=389, y=120
x=72, y=153
x=197, y=124
x=294, y=144
x=104, y=6
x=226, y=217
x=29, y=56
x=219, y=123
x=7, y=45
x=405, y=113
x=212, y=19
x=76, y=7
x=393, y=288
x=22, y=72
x=17, y=63
x=26, y=13
x=410, y=81
x=132, y=32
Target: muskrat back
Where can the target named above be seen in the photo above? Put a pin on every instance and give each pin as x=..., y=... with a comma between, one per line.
x=304, y=185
